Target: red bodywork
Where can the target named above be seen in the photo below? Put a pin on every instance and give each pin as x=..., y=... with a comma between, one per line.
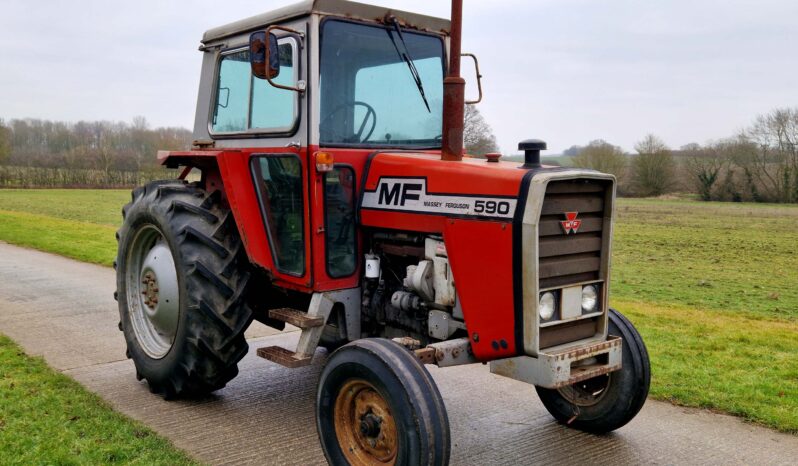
x=484, y=280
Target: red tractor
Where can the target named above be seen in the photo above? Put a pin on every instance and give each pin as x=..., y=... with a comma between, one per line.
x=333, y=195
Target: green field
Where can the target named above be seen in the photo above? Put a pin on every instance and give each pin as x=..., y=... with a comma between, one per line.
x=708, y=255
x=712, y=287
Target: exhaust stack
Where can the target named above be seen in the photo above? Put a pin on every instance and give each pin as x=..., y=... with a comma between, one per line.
x=454, y=92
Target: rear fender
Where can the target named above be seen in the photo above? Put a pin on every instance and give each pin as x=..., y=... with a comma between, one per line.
x=229, y=172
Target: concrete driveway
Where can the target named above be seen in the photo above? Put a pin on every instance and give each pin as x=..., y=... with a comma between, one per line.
x=64, y=310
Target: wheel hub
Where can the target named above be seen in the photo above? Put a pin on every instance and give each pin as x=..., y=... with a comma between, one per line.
x=153, y=292
x=587, y=392
x=150, y=292
x=364, y=425
x=370, y=425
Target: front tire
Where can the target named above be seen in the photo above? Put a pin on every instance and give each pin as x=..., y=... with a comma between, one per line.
x=605, y=403
x=182, y=277
x=377, y=404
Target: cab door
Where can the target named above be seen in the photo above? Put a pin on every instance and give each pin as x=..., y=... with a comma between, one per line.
x=263, y=128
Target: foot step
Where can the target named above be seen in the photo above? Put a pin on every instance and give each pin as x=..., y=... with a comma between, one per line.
x=296, y=318
x=284, y=357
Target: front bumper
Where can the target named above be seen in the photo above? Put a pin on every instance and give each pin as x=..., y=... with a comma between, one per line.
x=568, y=365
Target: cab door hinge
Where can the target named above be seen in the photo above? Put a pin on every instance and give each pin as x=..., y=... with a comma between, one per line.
x=203, y=144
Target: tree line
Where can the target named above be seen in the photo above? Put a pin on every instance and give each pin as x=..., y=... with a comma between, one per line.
x=760, y=164
x=44, y=153
x=103, y=154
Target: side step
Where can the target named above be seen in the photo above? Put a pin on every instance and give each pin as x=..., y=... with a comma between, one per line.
x=296, y=318
x=311, y=323
x=284, y=357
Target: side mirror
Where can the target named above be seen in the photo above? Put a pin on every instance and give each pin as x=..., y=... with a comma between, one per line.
x=264, y=57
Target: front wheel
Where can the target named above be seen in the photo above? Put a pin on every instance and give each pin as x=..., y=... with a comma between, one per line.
x=377, y=405
x=607, y=402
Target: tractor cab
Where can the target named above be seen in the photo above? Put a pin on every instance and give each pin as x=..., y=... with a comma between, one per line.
x=331, y=74
x=334, y=195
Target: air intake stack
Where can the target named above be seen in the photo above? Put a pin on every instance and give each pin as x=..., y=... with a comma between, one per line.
x=532, y=148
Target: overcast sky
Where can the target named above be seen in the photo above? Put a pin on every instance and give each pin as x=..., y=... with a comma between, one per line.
x=566, y=71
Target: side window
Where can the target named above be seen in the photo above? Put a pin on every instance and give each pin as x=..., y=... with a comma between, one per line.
x=232, y=93
x=246, y=103
x=280, y=187
x=339, y=221
x=274, y=108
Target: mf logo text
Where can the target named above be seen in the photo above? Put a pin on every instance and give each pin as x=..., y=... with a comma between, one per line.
x=397, y=194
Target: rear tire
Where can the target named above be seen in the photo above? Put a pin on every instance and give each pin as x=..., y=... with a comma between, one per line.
x=191, y=346
x=605, y=403
x=377, y=404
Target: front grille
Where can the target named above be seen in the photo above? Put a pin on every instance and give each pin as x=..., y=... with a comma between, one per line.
x=571, y=258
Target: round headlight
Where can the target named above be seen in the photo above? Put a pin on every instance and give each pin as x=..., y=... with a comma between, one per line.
x=547, y=306
x=589, y=299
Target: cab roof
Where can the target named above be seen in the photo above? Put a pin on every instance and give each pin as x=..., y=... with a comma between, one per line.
x=340, y=8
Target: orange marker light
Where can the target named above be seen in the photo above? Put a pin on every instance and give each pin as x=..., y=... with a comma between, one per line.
x=324, y=162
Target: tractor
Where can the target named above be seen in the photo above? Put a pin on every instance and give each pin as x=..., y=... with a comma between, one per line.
x=330, y=191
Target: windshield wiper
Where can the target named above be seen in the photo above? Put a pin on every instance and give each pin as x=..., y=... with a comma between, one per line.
x=406, y=57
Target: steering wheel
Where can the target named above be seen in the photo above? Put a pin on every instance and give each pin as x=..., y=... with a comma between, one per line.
x=358, y=135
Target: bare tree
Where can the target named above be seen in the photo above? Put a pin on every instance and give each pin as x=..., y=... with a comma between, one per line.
x=602, y=156
x=653, y=168
x=5, y=142
x=773, y=165
x=140, y=123
x=704, y=165
x=478, y=137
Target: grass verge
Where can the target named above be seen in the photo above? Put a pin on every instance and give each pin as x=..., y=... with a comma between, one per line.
x=710, y=359
x=48, y=418
x=84, y=241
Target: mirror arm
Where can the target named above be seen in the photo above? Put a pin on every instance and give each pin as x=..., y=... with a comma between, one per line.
x=300, y=87
x=479, y=78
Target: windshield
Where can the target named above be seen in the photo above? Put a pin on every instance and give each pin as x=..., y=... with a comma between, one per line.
x=370, y=96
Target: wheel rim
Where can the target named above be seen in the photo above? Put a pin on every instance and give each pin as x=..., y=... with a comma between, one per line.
x=153, y=297
x=364, y=425
x=587, y=392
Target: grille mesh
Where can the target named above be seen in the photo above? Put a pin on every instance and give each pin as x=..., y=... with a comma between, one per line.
x=571, y=258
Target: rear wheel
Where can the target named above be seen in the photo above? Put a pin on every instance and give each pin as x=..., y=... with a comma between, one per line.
x=607, y=402
x=377, y=405
x=181, y=282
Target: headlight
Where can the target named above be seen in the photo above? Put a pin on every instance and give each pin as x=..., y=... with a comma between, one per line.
x=547, y=306
x=589, y=299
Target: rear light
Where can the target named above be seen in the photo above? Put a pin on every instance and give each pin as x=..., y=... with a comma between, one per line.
x=324, y=162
